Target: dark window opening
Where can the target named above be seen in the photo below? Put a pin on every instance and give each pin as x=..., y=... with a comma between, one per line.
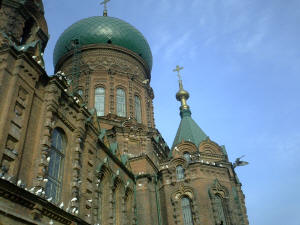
x=0, y=4
x=27, y=30
x=109, y=41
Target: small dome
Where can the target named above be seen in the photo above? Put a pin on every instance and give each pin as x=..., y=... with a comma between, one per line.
x=103, y=30
x=182, y=94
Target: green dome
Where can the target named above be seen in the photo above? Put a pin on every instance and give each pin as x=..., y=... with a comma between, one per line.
x=103, y=30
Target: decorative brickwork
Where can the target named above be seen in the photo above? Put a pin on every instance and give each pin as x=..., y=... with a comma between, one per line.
x=110, y=169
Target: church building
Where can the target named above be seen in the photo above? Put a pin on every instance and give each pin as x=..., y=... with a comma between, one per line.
x=80, y=147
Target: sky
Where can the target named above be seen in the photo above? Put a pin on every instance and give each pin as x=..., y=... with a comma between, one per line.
x=241, y=68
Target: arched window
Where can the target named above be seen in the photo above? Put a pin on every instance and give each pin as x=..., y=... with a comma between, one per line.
x=186, y=211
x=179, y=172
x=220, y=210
x=100, y=101
x=121, y=103
x=58, y=146
x=138, y=112
x=187, y=156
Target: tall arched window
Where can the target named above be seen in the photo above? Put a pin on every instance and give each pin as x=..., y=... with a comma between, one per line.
x=100, y=101
x=121, y=102
x=179, y=172
x=220, y=210
x=186, y=211
x=138, y=111
x=58, y=145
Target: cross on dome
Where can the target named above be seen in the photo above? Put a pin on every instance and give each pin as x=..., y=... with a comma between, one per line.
x=105, y=7
x=177, y=69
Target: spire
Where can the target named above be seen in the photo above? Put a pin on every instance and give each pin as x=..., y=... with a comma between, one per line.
x=105, y=7
x=188, y=129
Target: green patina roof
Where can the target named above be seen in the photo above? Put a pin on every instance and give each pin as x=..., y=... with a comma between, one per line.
x=99, y=30
x=188, y=130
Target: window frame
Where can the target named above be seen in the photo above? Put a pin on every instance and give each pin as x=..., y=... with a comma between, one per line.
x=220, y=202
x=187, y=209
x=187, y=156
x=180, y=173
x=101, y=104
x=138, y=114
x=56, y=179
x=123, y=107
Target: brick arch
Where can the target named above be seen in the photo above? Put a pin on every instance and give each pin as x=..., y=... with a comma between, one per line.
x=210, y=147
x=216, y=188
x=178, y=161
x=104, y=170
x=183, y=191
x=118, y=182
x=183, y=147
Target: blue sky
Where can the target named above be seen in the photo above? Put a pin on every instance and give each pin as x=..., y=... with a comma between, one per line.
x=242, y=70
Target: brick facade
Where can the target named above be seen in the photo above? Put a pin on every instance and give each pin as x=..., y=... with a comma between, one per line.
x=113, y=170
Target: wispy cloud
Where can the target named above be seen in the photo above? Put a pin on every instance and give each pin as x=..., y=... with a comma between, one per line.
x=177, y=46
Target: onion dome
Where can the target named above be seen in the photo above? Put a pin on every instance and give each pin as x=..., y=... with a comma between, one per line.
x=104, y=30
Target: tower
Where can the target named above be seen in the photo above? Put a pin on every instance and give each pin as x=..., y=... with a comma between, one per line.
x=23, y=38
x=81, y=146
x=199, y=184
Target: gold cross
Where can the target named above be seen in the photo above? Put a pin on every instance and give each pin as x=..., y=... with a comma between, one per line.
x=178, y=68
x=105, y=5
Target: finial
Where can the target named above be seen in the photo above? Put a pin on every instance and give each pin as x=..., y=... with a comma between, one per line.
x=181, y=95
x=105, y=7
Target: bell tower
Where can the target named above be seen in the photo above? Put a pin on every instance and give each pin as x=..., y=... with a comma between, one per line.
x=199, y=183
